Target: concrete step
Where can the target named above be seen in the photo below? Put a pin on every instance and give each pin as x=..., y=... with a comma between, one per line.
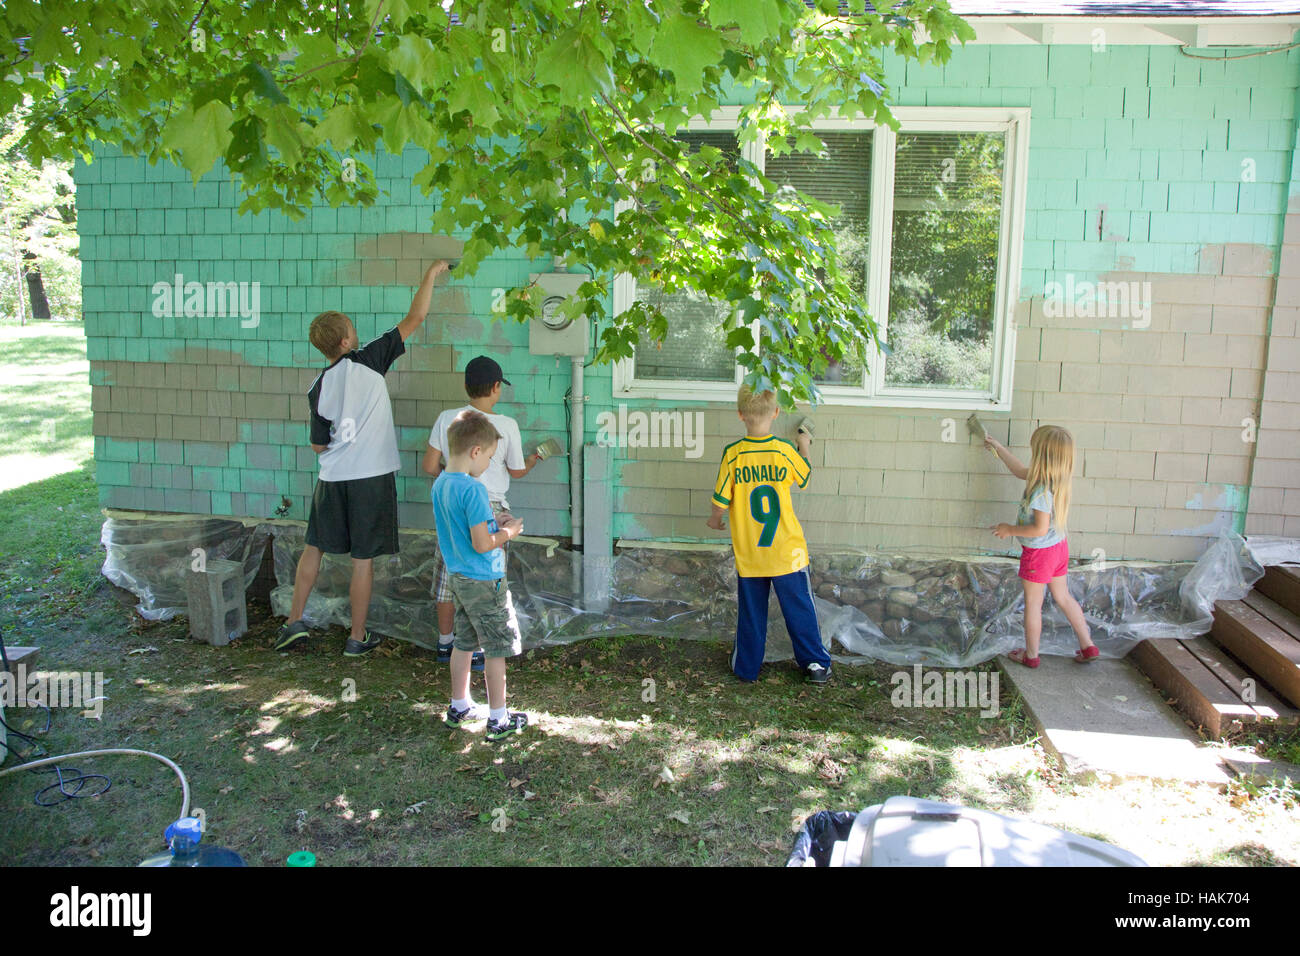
x=1105, y=721
x=1260, y=770
x=1264, y=636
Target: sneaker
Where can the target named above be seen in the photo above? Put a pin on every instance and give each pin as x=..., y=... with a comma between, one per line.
x=355, y=648
x=817, y=674
x=290, y=634
x=475, y=662
x=514, y=723
x=469, y=715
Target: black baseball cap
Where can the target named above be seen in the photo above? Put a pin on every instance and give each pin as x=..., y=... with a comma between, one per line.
x=484, y=371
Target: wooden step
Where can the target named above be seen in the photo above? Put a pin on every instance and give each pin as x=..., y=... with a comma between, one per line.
x=1208, y=686
x=1265, y=637
x=1241, y=682
x=1281, y=584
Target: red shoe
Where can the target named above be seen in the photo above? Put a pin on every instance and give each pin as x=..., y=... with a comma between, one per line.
x=1089, y=653
x=1019, y=657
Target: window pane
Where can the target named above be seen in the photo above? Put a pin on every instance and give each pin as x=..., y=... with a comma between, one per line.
x=842, y=176
x=943, y=273
x=693, y=348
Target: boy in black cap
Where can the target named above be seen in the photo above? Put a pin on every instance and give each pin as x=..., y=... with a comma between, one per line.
x=483, y=381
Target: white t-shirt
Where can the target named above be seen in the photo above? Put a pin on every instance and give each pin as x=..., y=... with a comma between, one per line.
x=509, y=453
x=351, y=413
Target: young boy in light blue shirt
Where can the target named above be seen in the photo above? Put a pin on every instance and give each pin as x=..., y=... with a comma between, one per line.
x=471, y=546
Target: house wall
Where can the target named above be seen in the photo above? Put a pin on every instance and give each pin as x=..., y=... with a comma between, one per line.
x=1275, y=479
x=203, y=415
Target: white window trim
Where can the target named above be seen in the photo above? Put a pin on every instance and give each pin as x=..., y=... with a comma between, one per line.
x=1015, y=122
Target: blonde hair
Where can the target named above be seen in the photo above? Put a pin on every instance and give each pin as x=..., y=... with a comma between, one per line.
x=755, y=407
x=470, y=428
x=327, y=332
x=1051, y=466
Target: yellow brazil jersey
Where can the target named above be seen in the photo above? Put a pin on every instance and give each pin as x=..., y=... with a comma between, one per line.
x=754, y=485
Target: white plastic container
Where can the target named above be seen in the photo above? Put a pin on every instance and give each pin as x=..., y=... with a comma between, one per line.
x=905, y=831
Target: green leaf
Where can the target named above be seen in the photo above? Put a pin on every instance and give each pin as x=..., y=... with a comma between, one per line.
x=414, y=58
x=260, y=82
x=285, y=133
x=401, y=125
x=573, y=63
x=686, y=48
x=757, y=19
x=314, y=50
x=200, y=136
x=342, y=126
x=740, y=338
x=397, y=12
x=473, y=96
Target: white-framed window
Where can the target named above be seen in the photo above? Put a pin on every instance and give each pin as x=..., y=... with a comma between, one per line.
x=932, y=217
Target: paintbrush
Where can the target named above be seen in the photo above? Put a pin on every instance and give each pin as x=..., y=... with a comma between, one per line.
x=548, y=448
x=976, y=428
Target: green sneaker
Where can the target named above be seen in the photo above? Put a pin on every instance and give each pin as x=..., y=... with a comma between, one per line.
x=469, y=715
x=514, y=723
x=290, y=634
x=355, y=648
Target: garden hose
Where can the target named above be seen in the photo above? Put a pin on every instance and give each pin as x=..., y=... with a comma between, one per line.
x=185, y=784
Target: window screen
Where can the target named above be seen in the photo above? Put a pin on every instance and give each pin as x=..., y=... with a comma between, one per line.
x=841, y=176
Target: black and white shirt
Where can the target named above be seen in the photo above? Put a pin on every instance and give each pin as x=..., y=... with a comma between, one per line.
x=351, y=412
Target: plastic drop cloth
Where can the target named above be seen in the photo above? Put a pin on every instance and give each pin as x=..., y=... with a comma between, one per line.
x=1270, y=549
x=150, y=556
x=888, y=606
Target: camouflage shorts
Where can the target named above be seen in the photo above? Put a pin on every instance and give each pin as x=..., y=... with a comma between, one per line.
x=485, y=616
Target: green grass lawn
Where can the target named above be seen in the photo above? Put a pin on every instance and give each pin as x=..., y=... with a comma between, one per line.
x=350, y=759
x=44, y=402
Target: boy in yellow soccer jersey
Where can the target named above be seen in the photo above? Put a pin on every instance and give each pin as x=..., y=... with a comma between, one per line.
x=754, y=486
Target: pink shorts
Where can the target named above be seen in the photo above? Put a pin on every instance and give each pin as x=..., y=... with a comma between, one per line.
x=1040, y=565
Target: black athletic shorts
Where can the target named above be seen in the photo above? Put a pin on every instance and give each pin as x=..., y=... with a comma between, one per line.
x=357, y=517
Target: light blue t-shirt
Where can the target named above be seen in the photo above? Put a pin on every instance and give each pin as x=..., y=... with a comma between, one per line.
x=459, y=503
x=1040, y=500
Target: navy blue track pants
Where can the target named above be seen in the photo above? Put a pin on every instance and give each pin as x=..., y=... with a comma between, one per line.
x=794, y=593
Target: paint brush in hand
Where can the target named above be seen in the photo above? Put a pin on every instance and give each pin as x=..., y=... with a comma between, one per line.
x=976, y=428
x=548, y=448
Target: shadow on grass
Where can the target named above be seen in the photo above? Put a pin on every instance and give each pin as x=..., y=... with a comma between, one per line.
x=351, y=760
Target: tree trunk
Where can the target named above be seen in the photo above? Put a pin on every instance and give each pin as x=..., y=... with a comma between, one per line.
x=36, y=292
